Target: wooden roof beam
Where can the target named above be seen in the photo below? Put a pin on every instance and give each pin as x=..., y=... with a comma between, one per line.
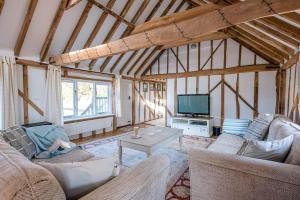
x=212, y=36
x=153, y=61
x=72, y=3
x=293, y=17
x=147, y=19
x=137, y=61
x=25, y=26
x=187, y=29
x=53, y=28
x=283, y=26
x=146, y=60
x=258, y=49
x=112, y=13
x=276, y=34
x=113, y=29
x=79, y=25
x=207, y=72
x=128, y=32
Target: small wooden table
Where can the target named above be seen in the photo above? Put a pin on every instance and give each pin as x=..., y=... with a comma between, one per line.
x=152, y=138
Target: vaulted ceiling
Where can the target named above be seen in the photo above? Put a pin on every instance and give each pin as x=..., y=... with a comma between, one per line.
x=38, y=29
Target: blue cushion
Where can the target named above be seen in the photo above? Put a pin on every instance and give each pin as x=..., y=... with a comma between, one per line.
x=235, y=126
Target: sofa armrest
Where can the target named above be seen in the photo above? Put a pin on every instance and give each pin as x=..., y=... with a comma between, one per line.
x=217, y=176
x=147, y=181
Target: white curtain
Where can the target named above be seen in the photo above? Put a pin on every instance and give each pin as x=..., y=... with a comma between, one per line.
x=8, y=93
x=53, y=97
x=118, y=96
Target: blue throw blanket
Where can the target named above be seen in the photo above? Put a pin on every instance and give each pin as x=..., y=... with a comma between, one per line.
x=44, y=136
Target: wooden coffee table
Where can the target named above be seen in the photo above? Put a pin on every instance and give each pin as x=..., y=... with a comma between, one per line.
x=153, y=138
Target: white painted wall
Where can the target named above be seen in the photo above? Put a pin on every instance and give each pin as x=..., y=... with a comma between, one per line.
x=266, y=92
x=292, y=87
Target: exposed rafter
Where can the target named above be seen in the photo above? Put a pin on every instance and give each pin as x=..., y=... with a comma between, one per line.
x=53, y=28
x=294, y=17
x=124, y=67
x=114, y=29
x=25, y=26
x=146, y=60
x=112, y=13
x=153, y=61
x=78, y=27
x=202, y=24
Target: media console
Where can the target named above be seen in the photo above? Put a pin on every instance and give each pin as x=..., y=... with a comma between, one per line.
x=198, y=126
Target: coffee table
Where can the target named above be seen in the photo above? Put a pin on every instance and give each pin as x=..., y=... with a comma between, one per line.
x=153, y=138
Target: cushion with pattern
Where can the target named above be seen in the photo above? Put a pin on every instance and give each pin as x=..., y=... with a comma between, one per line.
x=17, y=138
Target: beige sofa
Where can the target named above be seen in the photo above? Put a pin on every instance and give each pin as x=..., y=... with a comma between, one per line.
x=217, y=173
x=22, y=179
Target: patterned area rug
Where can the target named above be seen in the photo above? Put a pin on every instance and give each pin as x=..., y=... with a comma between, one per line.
x=178, y=183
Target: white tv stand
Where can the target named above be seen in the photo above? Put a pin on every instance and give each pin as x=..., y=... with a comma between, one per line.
x=198, y=126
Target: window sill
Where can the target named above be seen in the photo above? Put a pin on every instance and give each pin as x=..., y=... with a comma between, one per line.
x=70, y=121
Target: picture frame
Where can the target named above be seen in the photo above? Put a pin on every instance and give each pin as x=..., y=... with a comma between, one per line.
x=145, y=87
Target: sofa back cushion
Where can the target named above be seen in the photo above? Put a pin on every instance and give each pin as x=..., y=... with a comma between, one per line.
x=294, y=155
x=280, y=128
x=22, y=179
x=258, y=129
x=18, y=138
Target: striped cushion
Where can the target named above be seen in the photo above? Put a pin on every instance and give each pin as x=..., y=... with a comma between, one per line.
x=235, y=126
x=19, y=139
x=258, y=129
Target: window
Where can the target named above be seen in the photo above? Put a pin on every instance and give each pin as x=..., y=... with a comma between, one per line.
x=85, y=99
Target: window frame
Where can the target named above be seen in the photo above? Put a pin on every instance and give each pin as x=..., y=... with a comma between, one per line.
x=75, y=99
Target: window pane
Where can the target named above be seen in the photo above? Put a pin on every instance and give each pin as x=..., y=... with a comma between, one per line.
x=102, y=105
x=68, y=98
x=85, y=99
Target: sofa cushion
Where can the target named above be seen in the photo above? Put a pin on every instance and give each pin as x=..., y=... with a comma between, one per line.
x=275, y=150
x=79, y=178
x=294, y=154
x=227, y=143
x=280, y=128
x=22, y=179
x=18, y=139
x=76, y=155
x=258, y=129
x=235, y=126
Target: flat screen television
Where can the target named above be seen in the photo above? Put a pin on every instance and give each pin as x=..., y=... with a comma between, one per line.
x=193, y=104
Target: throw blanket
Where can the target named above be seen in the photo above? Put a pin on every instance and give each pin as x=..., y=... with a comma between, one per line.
x=44, y=136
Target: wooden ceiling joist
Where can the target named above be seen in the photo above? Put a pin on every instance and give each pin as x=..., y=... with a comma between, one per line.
x=25, y=26
x=189, y=28
x=78, y=27
x=72, y=3
x=124, y=67
x=112, y=13
x=292, y=61
x=2, y=2
x=283, y=26
x=53, y=28
x=207, y=72
x=114, y=29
